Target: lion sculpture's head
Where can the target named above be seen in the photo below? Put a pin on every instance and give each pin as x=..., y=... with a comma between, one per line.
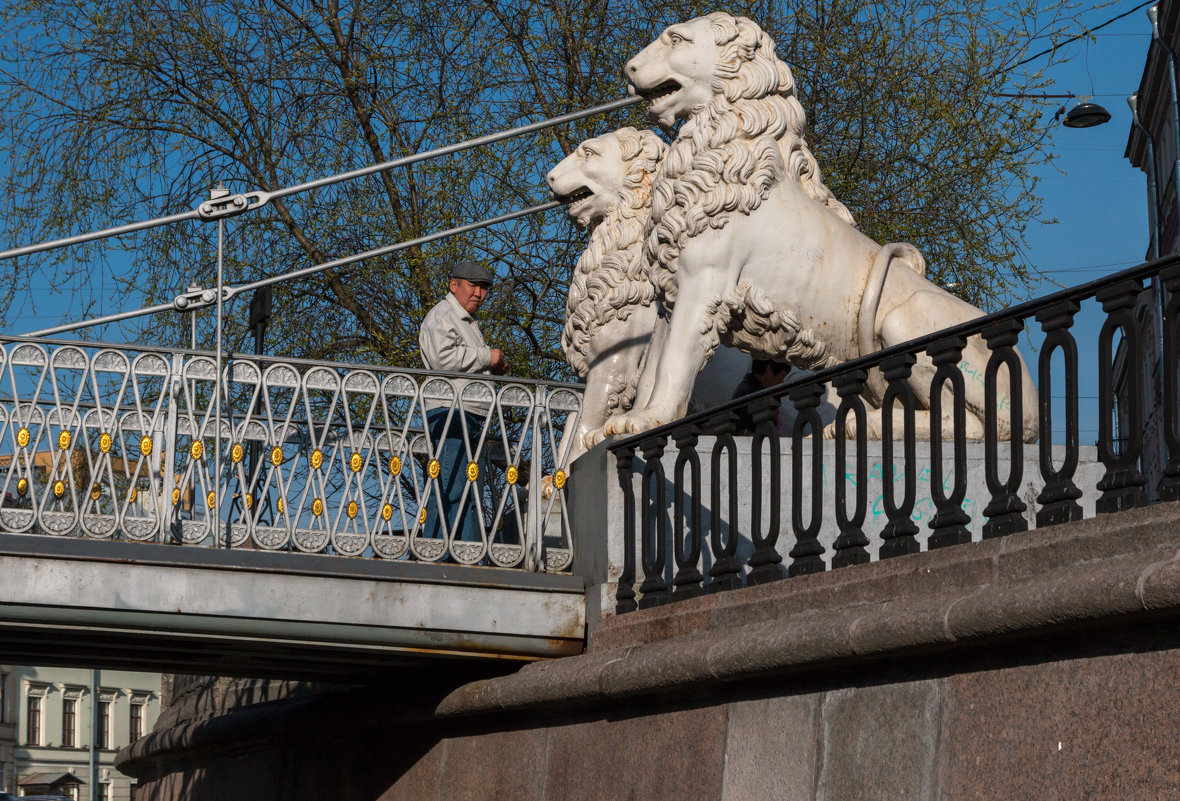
x=742, y=134
x=608, y=183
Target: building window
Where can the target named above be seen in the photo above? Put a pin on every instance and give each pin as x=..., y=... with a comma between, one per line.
x=33, y=732
x=102, y=788
x=104, y=724
x=69, y=723
x=3, y=699
x=136, y=721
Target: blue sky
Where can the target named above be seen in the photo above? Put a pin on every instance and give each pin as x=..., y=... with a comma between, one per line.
x=1096, y=196
x=1099, y=201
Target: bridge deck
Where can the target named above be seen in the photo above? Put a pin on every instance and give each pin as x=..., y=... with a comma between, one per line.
x=245, y=612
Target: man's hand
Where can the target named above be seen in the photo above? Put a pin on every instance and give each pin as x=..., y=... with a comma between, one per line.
x=499, y=364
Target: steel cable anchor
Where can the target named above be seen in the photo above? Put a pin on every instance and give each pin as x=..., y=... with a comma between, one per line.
x=231, y=205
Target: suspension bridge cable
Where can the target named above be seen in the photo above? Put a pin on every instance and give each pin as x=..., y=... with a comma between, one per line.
x=243, y=202
x=190, y=301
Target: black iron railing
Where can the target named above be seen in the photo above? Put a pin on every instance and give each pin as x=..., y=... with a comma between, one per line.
x=684, y=535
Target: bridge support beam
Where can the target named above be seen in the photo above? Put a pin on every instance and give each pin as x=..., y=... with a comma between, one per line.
x=254, y=613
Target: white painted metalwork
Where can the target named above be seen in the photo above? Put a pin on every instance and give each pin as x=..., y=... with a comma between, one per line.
x=215, y=196
x=113, y=442
x=173, y=431
x=196, y=297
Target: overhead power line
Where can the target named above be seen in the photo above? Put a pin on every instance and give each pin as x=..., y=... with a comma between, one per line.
x=1081, y=35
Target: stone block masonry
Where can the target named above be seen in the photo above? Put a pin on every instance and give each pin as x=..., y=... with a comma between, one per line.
x=1038, y=666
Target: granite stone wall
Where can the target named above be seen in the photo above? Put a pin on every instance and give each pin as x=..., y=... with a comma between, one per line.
x=1041, y=666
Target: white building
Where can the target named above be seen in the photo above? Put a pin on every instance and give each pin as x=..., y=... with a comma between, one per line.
x=7, y=728
x=49, y=713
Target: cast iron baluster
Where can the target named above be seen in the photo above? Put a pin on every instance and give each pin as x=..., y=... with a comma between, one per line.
x=1170, y=480
x=1122, y=486
x=807, y=555
x=898, y=538
x=727, y=568
x=687, y=549
x=625, y=594
x=950, y=521
x=1005, y=511
x=654, y=529
x=851, y=547
x=765, y=562
x=1058, y=499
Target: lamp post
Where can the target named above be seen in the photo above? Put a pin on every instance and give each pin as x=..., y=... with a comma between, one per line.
x=260, y=310
x=193, y=289
x=260, y=305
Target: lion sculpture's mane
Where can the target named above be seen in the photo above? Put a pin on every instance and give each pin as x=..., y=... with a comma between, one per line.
x=612, y=278
x=726, y=160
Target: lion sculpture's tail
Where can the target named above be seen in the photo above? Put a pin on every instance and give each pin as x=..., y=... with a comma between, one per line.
x=870, y=300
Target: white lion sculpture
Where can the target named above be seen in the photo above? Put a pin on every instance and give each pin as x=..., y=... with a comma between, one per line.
x=750, y=248
x=611, y=310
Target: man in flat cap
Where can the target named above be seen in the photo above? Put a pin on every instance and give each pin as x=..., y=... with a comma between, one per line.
x=450, y=338
x=451, y=342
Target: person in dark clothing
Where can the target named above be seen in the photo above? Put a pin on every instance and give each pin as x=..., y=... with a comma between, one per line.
x=763, y=373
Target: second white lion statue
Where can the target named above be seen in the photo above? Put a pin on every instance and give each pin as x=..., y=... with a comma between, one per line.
x=750, y=248
x=611, y=310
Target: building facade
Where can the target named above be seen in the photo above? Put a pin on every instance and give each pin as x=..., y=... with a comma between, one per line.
x=7, y=728
x=1153, y=149
x=50, y=712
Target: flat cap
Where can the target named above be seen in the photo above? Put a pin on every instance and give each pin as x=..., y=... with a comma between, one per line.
x=475, y=273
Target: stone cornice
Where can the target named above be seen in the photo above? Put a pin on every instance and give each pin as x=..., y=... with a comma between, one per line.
x=1100, y=570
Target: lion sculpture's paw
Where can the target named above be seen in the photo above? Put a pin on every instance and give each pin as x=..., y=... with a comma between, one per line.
x=634, y=422
x=872, y=424
x=593, y=438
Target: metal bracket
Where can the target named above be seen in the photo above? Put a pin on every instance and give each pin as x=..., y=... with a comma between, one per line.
x=200, y=298
x=232, y=205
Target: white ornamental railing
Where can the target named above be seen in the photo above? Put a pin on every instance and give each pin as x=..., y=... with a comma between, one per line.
x=115, y=442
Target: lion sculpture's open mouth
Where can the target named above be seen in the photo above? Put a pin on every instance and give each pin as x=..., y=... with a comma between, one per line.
x=576, y=199
x=659, y=92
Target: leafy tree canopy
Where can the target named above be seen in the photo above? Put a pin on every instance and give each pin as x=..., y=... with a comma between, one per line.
x=130, y=109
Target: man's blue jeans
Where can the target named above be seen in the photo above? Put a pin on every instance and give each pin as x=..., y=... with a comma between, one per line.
x=452, y=477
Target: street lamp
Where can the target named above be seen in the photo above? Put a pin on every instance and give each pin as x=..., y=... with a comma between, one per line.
x=1083, y=115
x=1086, y=115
